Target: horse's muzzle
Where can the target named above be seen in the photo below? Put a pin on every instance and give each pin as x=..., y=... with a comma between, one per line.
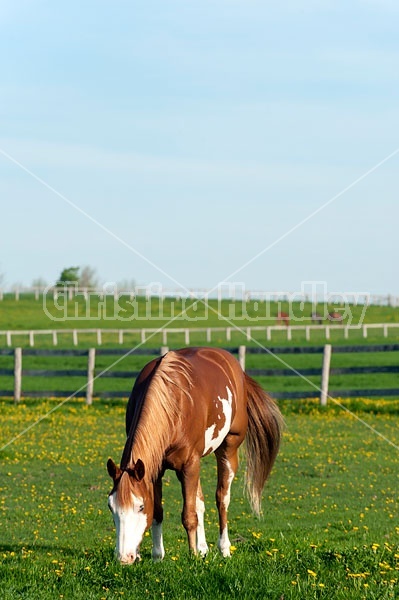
x=129, y=559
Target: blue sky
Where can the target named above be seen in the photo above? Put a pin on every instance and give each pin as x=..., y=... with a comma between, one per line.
x=195, y=135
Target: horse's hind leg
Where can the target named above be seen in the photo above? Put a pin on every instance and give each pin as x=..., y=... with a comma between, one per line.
x=202, y=546
x=227, y=464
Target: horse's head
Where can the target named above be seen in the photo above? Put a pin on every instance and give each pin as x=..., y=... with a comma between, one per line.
x=132, y=505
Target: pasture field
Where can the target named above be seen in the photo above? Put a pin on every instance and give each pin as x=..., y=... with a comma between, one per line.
x=28, y=313
x=330, y=528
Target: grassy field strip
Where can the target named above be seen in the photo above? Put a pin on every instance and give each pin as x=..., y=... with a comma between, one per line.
x=28, y=313
x=330, y=525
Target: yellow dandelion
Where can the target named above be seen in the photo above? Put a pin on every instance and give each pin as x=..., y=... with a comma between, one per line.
x=312, y=573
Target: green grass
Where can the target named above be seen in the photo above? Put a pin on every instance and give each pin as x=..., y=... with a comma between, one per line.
x=28, y=313
x=329, y=530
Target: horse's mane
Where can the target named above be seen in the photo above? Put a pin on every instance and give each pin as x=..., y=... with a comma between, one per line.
x=160, y=412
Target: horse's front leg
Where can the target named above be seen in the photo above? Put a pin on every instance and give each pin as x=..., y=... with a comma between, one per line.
x=189, y=479
x=158, y=551
x=202, y=546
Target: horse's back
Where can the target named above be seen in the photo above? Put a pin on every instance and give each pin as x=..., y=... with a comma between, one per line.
x=219, y=402
x=212, y=399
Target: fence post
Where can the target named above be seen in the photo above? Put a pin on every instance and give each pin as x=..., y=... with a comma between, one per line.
x=91, y=361
x=17, y=374
x=241, y=356
x=164, y=350
x=325, y=374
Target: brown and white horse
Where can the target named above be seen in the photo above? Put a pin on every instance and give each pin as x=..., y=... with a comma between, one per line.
x=283, y=318
x=335, y=317
x=183, y=406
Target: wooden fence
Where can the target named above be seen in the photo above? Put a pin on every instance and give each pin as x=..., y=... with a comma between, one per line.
x=186, y=333
x=91, y=375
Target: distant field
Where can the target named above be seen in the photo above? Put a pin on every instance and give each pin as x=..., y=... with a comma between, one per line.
x=330, y=526
x=28, y=313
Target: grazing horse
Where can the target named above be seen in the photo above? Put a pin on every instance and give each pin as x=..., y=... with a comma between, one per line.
x=183, y=406
x=335, y=317
x=283, y=318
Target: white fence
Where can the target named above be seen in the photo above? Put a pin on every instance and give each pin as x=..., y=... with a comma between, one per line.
x=209, y=332
x=235, y=292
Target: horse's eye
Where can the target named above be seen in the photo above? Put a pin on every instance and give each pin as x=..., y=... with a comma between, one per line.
x=141, y=508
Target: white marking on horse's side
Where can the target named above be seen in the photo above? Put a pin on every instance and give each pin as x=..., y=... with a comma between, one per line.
x=130, y=525
x=213, y=441
x=158, y=551
x=202, y=546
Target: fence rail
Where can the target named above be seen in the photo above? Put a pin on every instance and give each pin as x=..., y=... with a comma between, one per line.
x=230, y=291
x=90, y=373
x=209, y=332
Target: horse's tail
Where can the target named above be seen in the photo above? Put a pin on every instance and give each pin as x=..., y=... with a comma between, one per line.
x=265, y=425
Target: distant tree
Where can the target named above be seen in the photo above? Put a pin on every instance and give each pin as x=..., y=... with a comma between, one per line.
x=69, y=275
x=88, y=278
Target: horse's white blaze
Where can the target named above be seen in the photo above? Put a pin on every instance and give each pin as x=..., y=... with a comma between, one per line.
x=202, y=546
x=130, y=525
x=158, y=551
x=213, y=436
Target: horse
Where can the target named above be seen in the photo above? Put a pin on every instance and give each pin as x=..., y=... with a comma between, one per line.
x=184, y=406
x=335, y=317
x=283, y=318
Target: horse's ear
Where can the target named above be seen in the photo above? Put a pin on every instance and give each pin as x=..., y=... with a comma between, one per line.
x=112, y=469
x=139, y=470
